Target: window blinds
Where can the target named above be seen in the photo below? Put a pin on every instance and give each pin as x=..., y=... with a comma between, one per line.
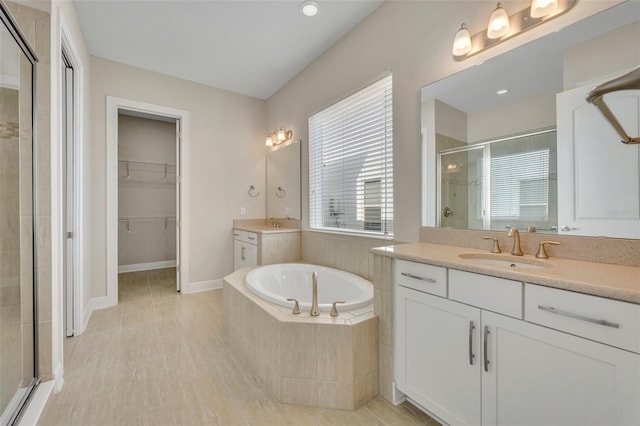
x=520, y=186
x=351, y=163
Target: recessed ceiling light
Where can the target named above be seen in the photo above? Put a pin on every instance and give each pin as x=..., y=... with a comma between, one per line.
x=502, y=91
x=309, y=7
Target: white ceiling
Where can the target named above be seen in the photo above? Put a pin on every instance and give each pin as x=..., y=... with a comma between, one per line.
x=251, y=47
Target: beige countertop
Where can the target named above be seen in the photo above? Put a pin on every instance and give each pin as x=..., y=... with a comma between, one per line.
x=264, y=229
x=598, y=279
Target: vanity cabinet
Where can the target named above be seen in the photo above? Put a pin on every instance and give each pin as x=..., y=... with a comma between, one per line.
x=265, y=248
x=598, y=176
x=477, y=360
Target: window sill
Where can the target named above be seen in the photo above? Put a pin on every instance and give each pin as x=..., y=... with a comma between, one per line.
x=351, y=234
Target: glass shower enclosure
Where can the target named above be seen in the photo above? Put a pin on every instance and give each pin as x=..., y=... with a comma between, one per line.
x=18, y=339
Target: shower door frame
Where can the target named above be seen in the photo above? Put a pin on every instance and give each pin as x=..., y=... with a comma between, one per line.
x=14, y=30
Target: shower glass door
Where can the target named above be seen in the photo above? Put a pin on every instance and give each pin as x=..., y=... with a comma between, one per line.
x=18, y=370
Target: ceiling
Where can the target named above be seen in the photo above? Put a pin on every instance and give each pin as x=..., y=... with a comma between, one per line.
x=251, y=47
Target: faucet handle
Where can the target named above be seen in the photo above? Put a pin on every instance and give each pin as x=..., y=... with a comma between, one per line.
x=542, y=252
x=496, y=246
x=296, y=306
x=334, y=308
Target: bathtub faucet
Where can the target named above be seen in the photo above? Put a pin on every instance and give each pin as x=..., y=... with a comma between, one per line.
x=314, y=300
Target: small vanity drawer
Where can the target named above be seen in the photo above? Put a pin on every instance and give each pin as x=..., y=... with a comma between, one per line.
x=604, y=320
x=418, y=276
x=245, y=236
x=491, y=293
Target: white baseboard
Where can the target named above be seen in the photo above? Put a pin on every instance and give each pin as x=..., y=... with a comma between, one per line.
x=101, y=302
x=202, y=286
x=147, y=266
x=36, y=405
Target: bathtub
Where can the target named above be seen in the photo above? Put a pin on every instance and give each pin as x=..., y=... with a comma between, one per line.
x=279, y=282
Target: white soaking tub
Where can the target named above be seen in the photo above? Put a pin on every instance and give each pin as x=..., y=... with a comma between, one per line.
x=279, y=282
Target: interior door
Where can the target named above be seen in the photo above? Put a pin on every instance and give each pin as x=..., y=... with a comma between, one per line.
x=598, y=176
x=66, y=123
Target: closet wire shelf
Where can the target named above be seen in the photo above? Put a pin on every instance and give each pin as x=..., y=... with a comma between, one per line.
x=129, y=219
x=128, y=163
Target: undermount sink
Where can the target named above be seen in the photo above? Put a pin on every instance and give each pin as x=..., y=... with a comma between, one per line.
x=505, y=261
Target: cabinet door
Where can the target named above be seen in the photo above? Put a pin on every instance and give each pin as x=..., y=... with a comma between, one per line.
x=436, y=355
x=244, y=255
x=598, y=176
x=540, y=376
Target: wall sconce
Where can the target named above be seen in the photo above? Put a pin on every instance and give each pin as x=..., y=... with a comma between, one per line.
x=502, y=26
x=277, y=137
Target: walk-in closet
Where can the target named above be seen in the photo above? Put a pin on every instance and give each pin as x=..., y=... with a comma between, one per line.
x=147, y=193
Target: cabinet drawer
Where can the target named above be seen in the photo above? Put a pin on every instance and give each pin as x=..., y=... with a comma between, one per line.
x=418, y=276
x=603, y=320
x=245, y=236
x=491, y=293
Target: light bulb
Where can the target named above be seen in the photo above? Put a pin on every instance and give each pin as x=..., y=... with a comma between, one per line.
x=462, y=41
x=498, y=23
x=269, y=141
x=309, y=8
x=281, y=135
x=540, y=8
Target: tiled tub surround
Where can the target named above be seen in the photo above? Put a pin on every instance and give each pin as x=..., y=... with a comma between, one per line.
x=607, y=280
x=318, y=361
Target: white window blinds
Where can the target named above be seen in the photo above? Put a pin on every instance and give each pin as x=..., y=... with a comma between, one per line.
x=351, y=163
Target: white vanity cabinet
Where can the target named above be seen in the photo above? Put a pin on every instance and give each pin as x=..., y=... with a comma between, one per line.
x=245, y=249
x=437, y=355
x=477, y=360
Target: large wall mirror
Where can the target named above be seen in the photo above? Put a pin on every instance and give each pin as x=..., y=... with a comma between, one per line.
x=283, y=181
x=513, y=142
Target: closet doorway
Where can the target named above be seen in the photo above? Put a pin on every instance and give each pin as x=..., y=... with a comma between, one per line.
x=145, y=195
x=147, y=192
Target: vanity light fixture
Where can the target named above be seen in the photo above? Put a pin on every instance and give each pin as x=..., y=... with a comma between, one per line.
x=502, y=92
x=277, y=137
x=503, y=26
x=498, y=23
x=309, y=8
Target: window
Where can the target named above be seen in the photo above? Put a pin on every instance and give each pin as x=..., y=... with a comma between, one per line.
x=350, y=163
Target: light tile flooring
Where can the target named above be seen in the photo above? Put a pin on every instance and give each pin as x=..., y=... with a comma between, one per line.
x=161, y=358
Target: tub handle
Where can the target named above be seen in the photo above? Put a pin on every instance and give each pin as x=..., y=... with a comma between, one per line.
x=334, y=308
x=296, y=306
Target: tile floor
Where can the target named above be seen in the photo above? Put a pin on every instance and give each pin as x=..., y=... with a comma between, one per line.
x=160, y=358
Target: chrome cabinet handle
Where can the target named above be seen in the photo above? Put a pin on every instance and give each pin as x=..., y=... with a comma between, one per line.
x=242, y=253
x=553, y=310
x=471, y=355
x=566, y=228
x=416, y=277
x=486, y=344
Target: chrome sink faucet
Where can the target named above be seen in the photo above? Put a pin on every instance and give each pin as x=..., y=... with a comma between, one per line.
x=314, y=301
x=516, y=251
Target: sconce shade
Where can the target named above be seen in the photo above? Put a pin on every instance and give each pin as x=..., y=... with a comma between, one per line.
x=498, y=23
x=462, y=41
x=269, y=141
x=540, y=8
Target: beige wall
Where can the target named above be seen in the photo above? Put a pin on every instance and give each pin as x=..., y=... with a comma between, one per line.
x=226, y=156
x=616, y=50
x=145, y=192
x=413, y=40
